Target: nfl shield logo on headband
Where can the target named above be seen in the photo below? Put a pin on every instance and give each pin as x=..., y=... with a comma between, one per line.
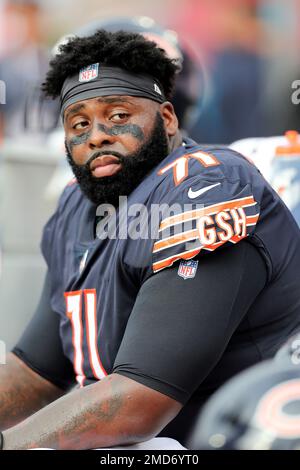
x=88, y=73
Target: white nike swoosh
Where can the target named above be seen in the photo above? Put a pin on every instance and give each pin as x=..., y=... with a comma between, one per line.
x=193, y=194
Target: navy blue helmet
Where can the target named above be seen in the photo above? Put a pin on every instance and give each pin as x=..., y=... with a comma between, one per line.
x=289, y=353
x=259, y=409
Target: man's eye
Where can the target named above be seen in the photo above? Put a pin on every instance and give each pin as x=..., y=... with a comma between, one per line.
x=80, y=125
x=118, y=117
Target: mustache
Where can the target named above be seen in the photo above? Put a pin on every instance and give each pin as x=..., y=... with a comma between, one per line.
x=101, y=154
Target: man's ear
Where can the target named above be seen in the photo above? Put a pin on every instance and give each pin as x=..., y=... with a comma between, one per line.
x=169, y=117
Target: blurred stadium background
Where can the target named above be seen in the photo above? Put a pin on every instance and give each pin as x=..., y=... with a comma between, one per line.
x=248, y=54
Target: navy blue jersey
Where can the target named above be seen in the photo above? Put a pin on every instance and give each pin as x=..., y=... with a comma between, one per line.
x=195, y=202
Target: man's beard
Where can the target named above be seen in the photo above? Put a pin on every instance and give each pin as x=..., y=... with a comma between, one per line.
x=106, y=190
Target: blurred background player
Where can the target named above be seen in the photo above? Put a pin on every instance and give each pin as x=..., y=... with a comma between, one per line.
x=278, y=158
x=23, y=60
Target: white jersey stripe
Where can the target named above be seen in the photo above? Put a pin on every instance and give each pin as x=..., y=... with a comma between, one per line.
x=92, y=334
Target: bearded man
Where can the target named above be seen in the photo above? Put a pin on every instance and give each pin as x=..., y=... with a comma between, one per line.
x=148, y=326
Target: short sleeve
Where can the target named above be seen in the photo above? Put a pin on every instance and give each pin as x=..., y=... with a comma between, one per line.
x=179, y=329
x=202, y=215
x=40, y=346
x=47, y=238
x=48, y=235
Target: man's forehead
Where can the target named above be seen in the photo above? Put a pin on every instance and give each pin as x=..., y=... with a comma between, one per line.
x=111, y=99
x=109, y=82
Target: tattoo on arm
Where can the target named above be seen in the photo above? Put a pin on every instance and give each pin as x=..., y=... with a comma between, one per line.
x=115, y=411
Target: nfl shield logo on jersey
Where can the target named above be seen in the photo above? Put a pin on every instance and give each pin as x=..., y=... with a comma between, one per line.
x=89, y=73
x=188, y=269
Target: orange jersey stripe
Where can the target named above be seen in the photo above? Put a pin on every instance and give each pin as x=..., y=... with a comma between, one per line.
x=214, y=246
x=210, y=210
x=252, y=219
x=169, y=261
x=176, y=239
x=237, y=238
x=191, y=253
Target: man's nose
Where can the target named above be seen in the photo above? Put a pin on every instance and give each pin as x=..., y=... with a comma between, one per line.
x=100, y=136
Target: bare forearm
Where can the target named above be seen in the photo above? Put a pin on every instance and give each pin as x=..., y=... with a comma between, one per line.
x=22, y=392
x=100, y=415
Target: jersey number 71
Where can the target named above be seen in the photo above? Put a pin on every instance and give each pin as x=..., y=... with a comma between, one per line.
x=77, y=319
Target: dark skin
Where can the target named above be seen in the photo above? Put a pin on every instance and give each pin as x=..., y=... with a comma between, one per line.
x=115, y=410
x=22, y=392
x=120, y=124
x=113, y=130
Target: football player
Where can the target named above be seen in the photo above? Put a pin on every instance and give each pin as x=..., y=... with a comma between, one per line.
x=171, y=266
x=187, y=96
x=278, y=158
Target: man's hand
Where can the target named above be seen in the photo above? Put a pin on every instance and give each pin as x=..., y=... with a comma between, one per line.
x=114, y=411
x=22, y=392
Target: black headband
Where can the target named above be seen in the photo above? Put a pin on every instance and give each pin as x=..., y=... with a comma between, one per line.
x=97, y=80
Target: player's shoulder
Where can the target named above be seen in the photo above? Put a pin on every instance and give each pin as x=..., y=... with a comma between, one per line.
x=218, y=161
x=206, y=168
x=70, y=196
x=221, y=154
x=68, y=201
